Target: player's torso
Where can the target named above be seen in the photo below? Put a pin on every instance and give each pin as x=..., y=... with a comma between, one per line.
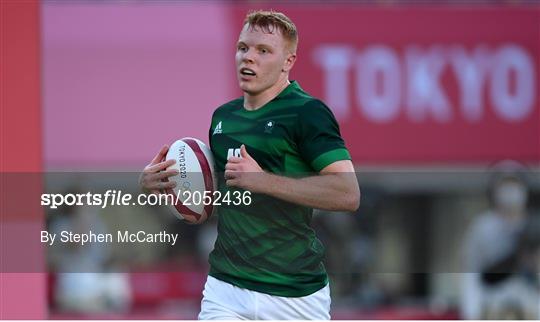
x=268, y=133
x=269, y=245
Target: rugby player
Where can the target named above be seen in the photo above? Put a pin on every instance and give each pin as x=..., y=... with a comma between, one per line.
x=267, y=261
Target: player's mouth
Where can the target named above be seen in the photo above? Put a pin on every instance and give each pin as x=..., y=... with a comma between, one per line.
x=247, y=73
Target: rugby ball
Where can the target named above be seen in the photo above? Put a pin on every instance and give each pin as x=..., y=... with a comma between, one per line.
x=193, y=197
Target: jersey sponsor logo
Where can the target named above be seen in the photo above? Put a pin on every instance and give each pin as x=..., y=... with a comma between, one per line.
x=233, y=153
x=218, y=129
x=269, y=126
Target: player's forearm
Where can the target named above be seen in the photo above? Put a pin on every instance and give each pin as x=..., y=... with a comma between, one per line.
x=334, y=192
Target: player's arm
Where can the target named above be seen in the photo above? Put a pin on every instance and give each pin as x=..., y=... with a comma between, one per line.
x=335, y=188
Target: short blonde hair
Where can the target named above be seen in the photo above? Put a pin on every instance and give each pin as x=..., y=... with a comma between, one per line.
x=269, y=20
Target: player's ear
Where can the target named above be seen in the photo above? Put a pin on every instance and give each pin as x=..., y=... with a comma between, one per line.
x=289, y=62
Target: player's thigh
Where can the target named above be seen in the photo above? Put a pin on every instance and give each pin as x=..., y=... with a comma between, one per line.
x=315, y=306
x=223, y=301
x=214, y=311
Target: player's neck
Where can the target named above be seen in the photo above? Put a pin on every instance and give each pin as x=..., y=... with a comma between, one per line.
x=254, y=102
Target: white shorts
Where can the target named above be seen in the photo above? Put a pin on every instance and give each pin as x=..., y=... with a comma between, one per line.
x=224, y=301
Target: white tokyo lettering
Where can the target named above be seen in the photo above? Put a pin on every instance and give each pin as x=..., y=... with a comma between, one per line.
x=417, y=82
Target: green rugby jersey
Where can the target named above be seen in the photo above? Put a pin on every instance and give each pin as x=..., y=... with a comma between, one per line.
x=269, y=246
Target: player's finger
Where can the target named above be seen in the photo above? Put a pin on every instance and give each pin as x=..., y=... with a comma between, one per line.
x=168, y=185
x=151, y=180
x=244, y=153
x=234, y=159
x=231, y=166
x=158, y=185
x=162, y=152
x=231, y=183
x=166, y=174
x=160, y=166
x=230, y=174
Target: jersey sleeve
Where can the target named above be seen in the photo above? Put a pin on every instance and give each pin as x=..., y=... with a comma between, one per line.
x=320, y=142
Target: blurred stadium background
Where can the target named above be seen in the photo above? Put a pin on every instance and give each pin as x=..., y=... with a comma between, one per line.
x=431, y=96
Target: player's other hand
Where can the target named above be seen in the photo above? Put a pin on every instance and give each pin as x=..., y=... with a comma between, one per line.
x=151, y=178
x=244, y=172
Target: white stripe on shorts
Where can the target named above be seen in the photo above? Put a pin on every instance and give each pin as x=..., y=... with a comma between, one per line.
x=224, y=301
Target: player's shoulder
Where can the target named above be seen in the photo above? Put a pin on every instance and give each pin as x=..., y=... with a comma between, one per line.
x=314, y=108
x=303, y=102
x=315, y=103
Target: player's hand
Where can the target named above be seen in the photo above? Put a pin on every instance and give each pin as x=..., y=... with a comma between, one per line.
x=151, y=178
x=244, y=172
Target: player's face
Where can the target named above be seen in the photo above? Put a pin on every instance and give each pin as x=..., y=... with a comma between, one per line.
x=262, y=60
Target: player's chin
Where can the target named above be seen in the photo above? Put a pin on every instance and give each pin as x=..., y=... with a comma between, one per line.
x=247, y=88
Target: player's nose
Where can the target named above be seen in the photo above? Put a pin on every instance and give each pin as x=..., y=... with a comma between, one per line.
x=248, y=56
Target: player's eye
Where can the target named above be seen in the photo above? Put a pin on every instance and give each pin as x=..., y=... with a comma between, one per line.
x=264, y=51
x=242, y=48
